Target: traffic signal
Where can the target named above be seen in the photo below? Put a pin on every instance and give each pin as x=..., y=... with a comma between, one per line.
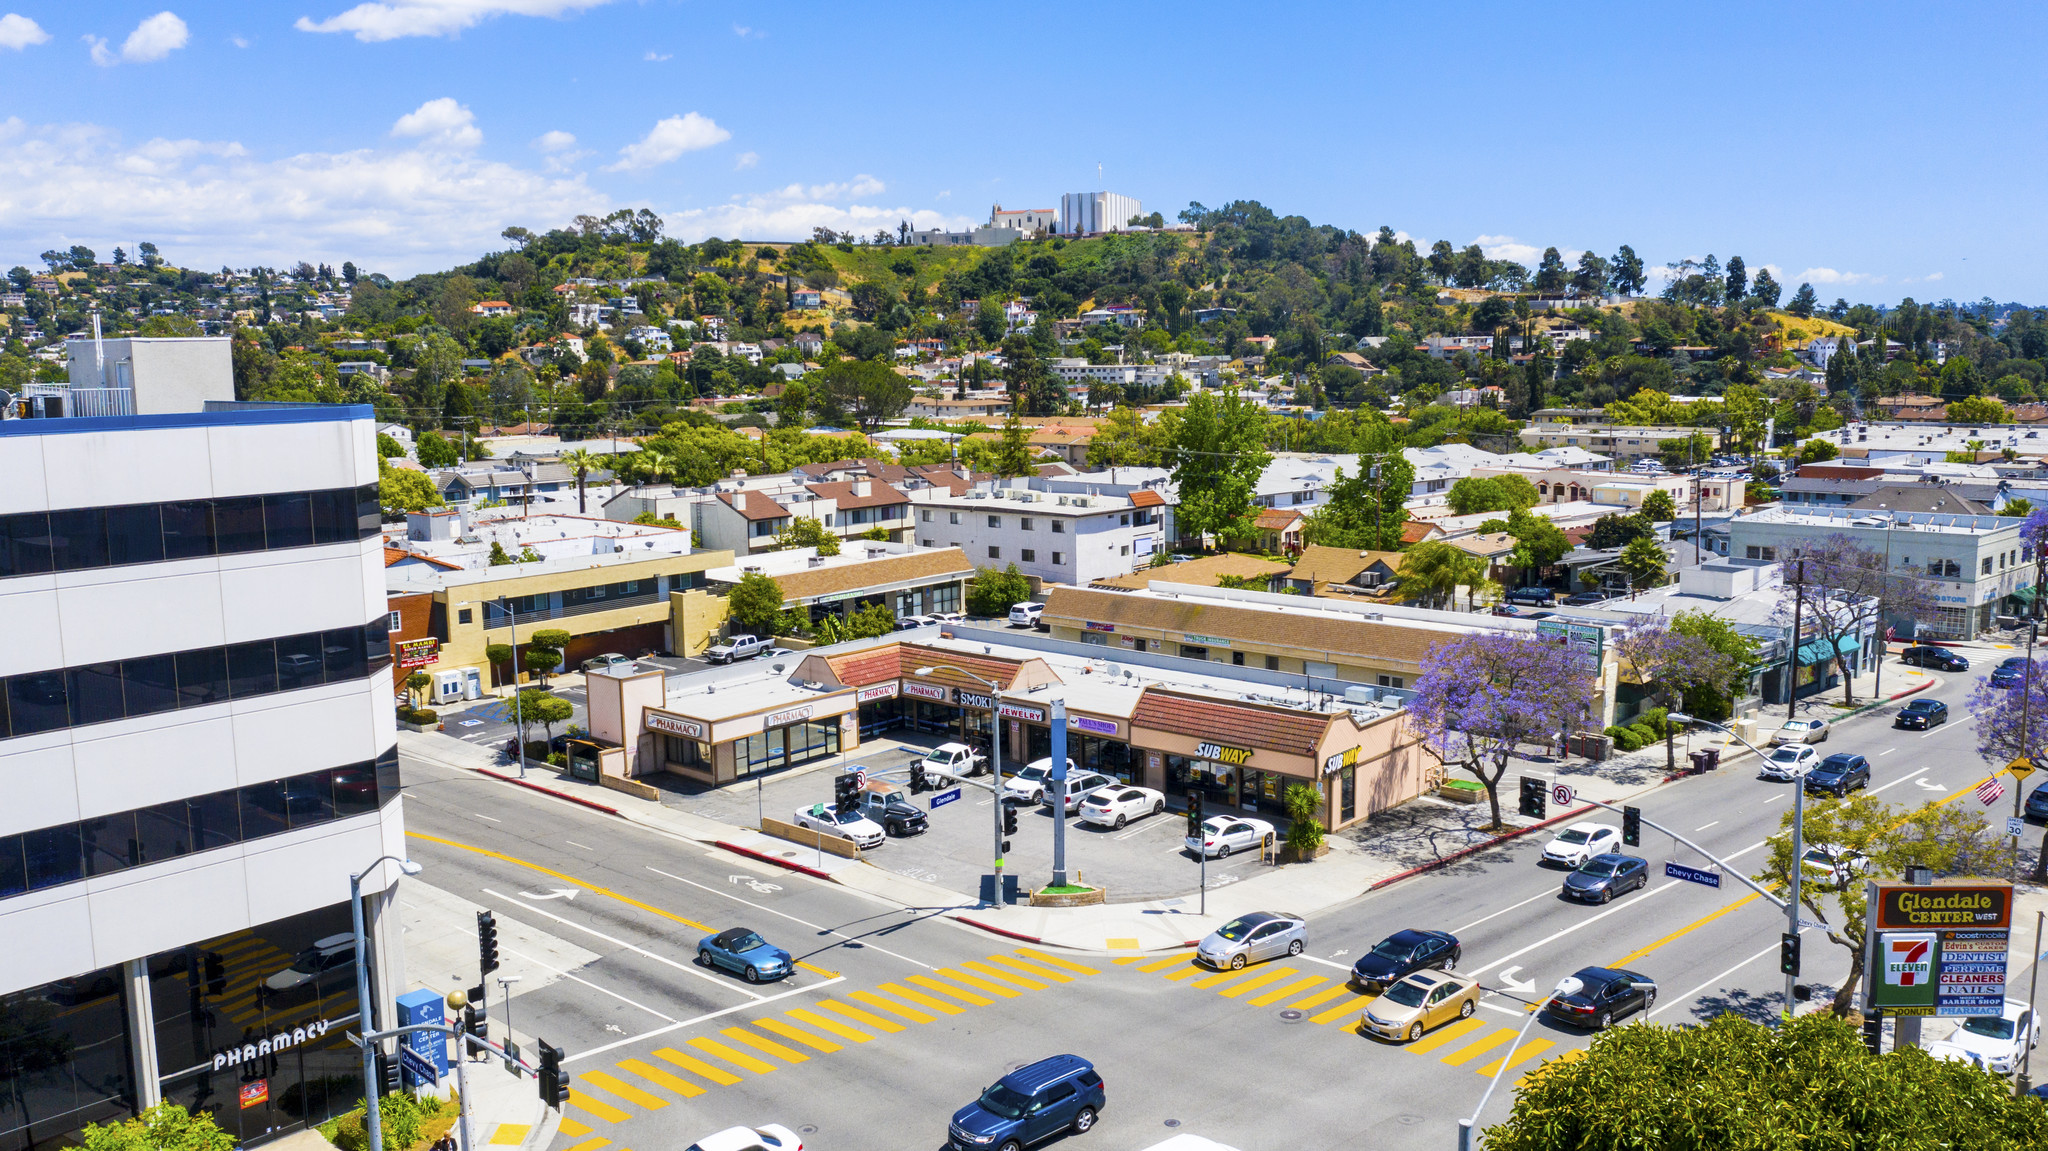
x=1873, y=1031
x=486, y=944
x=1632, y=826
x=843, y=794
x=1009, y=820
x=1533, y=799
x=918, y=786
x=1194, y=815
x=554, y=1082
x=216, y=974
x=389, y=1081
x=1788, y=953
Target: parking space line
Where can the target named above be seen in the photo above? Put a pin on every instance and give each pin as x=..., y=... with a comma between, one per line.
x=1444, y=1035
x=691, y=1063
x=798, y=1035
x=1521, y=1054
x=742, y=1035
x=736, y=1058
x=1474, y=1050
x=919, y=998
x=1272, y=997
x=1342, y=1009
x=1257, y=981
x=653, y=1074
x=944, y=989
x=622, y=1089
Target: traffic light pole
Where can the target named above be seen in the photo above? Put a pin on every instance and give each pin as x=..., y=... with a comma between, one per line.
x=463, y=1039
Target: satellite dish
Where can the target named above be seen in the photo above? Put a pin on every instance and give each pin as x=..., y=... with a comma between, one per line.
x=1114, y=670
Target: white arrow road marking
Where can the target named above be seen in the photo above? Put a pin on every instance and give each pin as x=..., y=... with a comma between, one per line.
x=615, y=1027
x=1340, y=954
x=1930, y=786
x=1508, y=981
x=568, y=893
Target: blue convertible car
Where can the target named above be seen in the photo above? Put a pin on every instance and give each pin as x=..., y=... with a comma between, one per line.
x=742, y=950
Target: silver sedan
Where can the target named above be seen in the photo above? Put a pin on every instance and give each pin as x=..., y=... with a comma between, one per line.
x=1252, y=938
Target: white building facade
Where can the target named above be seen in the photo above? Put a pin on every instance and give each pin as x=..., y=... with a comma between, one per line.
x=1060, y=537
x=1084, y=212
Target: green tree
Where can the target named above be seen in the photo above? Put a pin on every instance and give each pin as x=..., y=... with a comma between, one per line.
x=416, y=686
x=1659, y=506
x=1816, y=451
x=1686, y=452
x=498, y=557
x=2018, y=507
x=1643, y=560
x=540, y=660
x=1217, y=452
x=870, y=622
x=755, y=602
x=544, y=708
x=498, y=655
x=435, y=451
x=164, y=1127
x=1364, y=512
x=866, y=391
x=1615, y=530
x=1475, y=494
x=993, y=593
x=1432, y=572
x=1978, y=410
x=807, y=532
x=1013, y=455
x=1305, y=818
x=1124, y=440
x=1538, y=542
x=1803, y=302
x=401, y=490
x=582, y=462
x=387, y=447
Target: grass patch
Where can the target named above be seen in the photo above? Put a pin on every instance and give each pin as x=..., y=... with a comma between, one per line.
x=409, y=1123
x=1065, y=889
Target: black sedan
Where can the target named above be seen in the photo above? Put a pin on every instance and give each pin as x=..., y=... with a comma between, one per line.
x=1838, y=775
x=2010, y=673
x=1403, y=952
x=1922, y=714
x=1603, y=877
x=1940, y=659
x=1595, y=997
x=2037, y=802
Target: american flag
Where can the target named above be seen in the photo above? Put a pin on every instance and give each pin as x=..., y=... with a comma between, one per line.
x=1989, y=791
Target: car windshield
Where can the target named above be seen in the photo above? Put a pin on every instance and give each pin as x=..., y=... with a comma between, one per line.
x=1004, y=1102
x=1572, y=836
x=1392, y=949
x=1034, y=774
x=1787, y=754
x=746, y=942
x=1406, y=994
x=1237, y=929
x=1599, y=868
x=1992, y=1026
x=1920, y=706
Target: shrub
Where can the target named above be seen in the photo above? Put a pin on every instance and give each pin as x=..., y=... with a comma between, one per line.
x=1656, y=719
x=1645, y=735
x=558, y=759
x=1625, y=738
x=426, y=716
x=1304, y=808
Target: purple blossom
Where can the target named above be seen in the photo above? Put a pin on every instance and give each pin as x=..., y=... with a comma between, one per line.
x=1481, y=697
x=1668, y=662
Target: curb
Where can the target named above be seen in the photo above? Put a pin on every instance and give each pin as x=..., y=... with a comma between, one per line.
x=764, y=857
x=1462, y=852
x=575, y=799
x=998, y=930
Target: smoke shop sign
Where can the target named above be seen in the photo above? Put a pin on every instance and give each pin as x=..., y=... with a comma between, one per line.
x=269, y=1045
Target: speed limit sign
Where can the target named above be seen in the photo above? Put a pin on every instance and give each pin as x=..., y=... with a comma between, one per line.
x=1561, y=794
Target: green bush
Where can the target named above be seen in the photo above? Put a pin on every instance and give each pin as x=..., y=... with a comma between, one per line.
x=164, y=1127
x=1655, y=718
x=558, y=759
x=1305, y=809
x=404, y=1119
x=1625, y=738
x=1645, y=735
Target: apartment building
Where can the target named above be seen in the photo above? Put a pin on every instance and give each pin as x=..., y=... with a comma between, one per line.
x=197, y=751
x=1622, y=442
x=1059, y=537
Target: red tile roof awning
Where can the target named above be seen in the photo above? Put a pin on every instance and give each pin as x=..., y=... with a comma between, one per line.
x=1147, y=498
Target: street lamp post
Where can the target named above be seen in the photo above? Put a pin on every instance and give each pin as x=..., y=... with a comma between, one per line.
x=518, y=716
x=370, y=1084
x=995, y=727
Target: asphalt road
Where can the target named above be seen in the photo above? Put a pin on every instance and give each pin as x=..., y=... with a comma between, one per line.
x=897, y=1019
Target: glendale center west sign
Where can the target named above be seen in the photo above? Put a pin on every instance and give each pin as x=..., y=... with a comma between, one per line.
x=1938, y=949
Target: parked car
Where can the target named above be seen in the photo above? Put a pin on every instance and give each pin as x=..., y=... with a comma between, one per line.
x=1223, y=834
x=1938, y=658
x=1595, y=997
x=2037, y=802
x=1801, y=731
x=1585, y=598
x=767, y=1137
x=1116, y=806
x=1026, y=614
x=1603, y=877
x=947, y=616
x=1532, y=596
x=864, y=832
x=1419, y=1002
x=910, y=621
x=950, y=761
x=1080, y=785
x=737, y=648
x=1789, y=762
x=1580, y=842
x=1253, y=938
x=1403, y=953
x=1030, y=1105
x=1029, y=783
x=742, y=951
x=1999, y=1041
x=1836, y=865
x=894, y=811
x=1838, y=775
x=1922, y=714
x=605, y=662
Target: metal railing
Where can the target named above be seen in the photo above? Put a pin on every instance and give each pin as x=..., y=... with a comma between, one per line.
x=86, y=401
x=493, y=617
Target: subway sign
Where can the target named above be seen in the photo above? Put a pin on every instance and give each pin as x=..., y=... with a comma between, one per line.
x=1906, y=907
x=1234, y=756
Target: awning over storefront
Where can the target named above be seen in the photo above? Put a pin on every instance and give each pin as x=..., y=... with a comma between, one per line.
x=1821, y=651
x=2024, y=594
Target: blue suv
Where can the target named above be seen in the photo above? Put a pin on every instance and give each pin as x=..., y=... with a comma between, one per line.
x=1029, y=1105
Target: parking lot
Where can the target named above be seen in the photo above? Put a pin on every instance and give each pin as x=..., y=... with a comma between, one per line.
x=1145, y=860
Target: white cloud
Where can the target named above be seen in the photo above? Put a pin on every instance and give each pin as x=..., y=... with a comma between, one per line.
x=238, y=41
x=101, y=54
x=441, y=123
x=945, y=194
x=746, y=160
x=18, y=32
x=155, y=38
x=658, y=57
x=555, y=141
x=208, y=203
x=746, y=33
x=790, y=213
x=862, y=185
x=1508, y=248
x=669, y=139
x=1831, y=276
x=398, y=19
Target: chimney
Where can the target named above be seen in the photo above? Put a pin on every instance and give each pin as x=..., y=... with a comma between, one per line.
x=861, y=489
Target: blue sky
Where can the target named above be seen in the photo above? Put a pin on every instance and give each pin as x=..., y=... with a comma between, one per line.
x=1878, y=150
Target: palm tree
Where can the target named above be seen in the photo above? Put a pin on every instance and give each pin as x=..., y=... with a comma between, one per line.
x=582, y=463
x=1432, y=571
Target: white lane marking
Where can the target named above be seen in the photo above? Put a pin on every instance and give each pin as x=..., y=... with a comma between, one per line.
x=791, y=918
x=589, y=984
x=1504, y=911
x=1780, y=797
x=1324, y=962
x=1894, y=783
x=1517, y=1012
x=573, y=843
x=1704, y=826
x=631, y=1039
x=1687, y=997
x=481, y=815
x=630, y=947
x=1888, y=751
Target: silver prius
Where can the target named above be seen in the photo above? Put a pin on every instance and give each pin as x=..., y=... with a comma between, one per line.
x=1254, y=937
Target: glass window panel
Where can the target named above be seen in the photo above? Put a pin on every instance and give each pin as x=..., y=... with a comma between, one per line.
x=109, y=842
x=309, y=798
x=26, y=548
x=151, y=684
x=342, y=651
x=252, y=668
x=13, y=866
x=238, y=524
x=388, y=781
x=298, y=661
x=369, y=513
x=35, y=702
x=188, y=529
x=334, y=516
x=95, y=693
x=73, y=1033
x=202, y=677
x=376, y=642
x=54, y=856
x=78, y=539
x=355, y=789
x=287, y=520
x=135, y=534
x=163, y=832
x=264, y=809
x=216, y=819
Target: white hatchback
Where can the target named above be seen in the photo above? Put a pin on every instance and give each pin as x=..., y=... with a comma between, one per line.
x=1116, y=806
x=1789, y=762
x=1582, y=841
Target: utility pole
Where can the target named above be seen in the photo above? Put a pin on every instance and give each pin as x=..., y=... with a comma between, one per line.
x=1792, y=659
x=2026, y=710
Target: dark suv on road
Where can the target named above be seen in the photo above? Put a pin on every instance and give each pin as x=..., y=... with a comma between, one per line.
x=1838, y=775
x=1030, y=1105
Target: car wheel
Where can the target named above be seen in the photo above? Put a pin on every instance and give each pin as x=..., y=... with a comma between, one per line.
x=1158, y=806
x=1011, y=1145
x=1450, y=964
x=1606, y=1020
x=1223, y=851
x=1294, y=948
x=1414, y=1031
x=1120, y=821
x=1607, y=895
x=703, y=959
x=751, y=975
x=1466, y=1008
x=1083, y=1120
x=1237, y=962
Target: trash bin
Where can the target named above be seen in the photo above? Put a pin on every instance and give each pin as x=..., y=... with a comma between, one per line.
x=1713, y=758
x=1701, y=760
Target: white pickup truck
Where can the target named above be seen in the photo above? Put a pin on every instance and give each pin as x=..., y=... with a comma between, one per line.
x=737, y=648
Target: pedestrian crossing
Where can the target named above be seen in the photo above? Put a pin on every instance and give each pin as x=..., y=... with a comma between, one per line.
x=601, y=1098
x=1326, y=1000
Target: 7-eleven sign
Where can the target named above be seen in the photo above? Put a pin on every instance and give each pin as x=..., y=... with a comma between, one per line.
x=1908, y=960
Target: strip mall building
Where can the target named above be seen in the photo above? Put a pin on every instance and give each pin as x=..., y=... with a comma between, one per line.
x=1239, y=735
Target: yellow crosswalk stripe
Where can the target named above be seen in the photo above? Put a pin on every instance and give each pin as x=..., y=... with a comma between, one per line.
x=919, y=998
x=1163, y=964
x=1257, y=981
x=971, y=981
x=873, y=1000
x=572, y=1129
x=653, y=1074
x=1032, y=969
x=736, y=1058
x=624, y=1090
x=1342, y=1009
x=1445, y=1034
x=591, y=1144
x=718, y=1075
x=1526, y=1051
x=1476, y=1048
x=1128, y=960
x=1323, y=996
x=1056, y=961
x=947, y=989
x=797, y=1034
x=1272, y=997
x=1224, y=977
x=604, y=1111
x=859, y=1016
x=786, y=1054
x=1189, y=972
x=999, y=973
x=831, y=1025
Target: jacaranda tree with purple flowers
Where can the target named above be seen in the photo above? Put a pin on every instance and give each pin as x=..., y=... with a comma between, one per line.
x=2011, y=722
x=1481, y=697
x=1666, y=662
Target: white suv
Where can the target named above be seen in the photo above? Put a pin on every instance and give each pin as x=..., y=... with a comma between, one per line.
x=1026, y=614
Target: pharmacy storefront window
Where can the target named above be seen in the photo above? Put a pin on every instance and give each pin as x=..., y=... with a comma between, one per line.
x=792, y=738
x=881, y=708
